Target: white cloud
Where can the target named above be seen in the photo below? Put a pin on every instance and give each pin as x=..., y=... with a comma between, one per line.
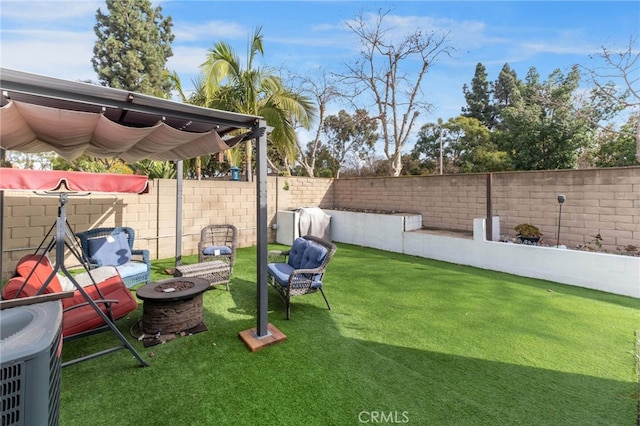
x=60, y=54
x=186, y=59
x=28, y=11
x=208, y=32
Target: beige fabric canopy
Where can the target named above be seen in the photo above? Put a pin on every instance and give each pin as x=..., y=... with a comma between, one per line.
x=34, y=128
x=40, y=114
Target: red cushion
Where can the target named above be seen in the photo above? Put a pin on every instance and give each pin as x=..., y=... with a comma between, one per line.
x=74, y=320
x=13, y=286
x=85, y=318
x=43, y=270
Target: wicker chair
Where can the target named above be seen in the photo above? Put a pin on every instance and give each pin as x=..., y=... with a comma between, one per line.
x=218, y=242
x=300, y=270
x=114, y=247
x=216, y=255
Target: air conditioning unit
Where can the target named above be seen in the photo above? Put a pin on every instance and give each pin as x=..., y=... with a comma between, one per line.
x=30, y=363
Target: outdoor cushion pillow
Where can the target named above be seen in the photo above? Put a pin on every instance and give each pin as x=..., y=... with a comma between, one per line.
x=281, y=272
x=130, y=269
x=313, y=257
x=216, y=250
x=297, y=251
x=112, y=250
x=42, y=270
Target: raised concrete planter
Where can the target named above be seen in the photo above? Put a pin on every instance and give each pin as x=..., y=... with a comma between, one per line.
x=382, y=231
x=599, y=271
x=401, y=233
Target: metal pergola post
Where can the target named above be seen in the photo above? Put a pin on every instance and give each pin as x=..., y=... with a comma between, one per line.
x=261, y=215
x=264, y=334
x=179, y=171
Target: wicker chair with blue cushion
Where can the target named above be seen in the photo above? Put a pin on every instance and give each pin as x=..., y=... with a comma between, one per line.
x=114, y=247
x=218, y=242
x=300, y=270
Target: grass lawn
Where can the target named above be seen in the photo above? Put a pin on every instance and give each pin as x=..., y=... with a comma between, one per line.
x=409, y=340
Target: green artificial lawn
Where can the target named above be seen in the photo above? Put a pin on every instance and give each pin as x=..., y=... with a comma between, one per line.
x=409, y=340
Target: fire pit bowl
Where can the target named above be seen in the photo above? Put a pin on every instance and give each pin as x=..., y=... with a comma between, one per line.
x=173, y=305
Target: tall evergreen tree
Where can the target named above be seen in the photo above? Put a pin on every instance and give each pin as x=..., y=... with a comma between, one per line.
x=505, y=89
x=134, y=43
x=478, y=98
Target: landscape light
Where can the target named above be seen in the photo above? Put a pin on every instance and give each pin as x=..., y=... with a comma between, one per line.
x=561, y=200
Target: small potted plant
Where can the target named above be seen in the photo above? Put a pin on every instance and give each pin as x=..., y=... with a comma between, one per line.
x=528, y=232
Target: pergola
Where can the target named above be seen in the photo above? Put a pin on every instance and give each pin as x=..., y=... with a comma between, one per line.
x=41, y=114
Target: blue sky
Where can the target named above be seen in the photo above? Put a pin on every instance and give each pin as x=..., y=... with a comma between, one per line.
x=56, y=38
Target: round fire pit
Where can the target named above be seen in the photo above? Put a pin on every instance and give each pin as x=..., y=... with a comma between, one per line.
x=172, y=305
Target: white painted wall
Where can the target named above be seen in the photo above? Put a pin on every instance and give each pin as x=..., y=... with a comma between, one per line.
x=381, y=231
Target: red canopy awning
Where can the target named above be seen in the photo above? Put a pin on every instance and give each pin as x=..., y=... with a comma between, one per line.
x=53, y=180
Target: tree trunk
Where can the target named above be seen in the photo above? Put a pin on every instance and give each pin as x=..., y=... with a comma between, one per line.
x=249, y=152
x=396, y=165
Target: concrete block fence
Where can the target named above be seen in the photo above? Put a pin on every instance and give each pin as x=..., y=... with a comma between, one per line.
x=599, y=201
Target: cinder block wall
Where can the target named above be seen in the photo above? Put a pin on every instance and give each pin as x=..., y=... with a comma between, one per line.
x=599, y=201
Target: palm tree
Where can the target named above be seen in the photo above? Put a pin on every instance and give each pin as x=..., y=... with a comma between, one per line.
x=254, y=91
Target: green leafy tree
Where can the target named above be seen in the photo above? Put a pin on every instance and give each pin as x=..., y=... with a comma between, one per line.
x=254, y=90
x=617, y=148
x=324, y=161
x=471, y=146
x=542, y=130
x=466, y=144
x=134, y=43
x=505, y=88
x=86, y=163
x=349, y=134
x=427, y=149
x=155, y=169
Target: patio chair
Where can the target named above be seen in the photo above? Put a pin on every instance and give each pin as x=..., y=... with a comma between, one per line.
x=114, y=247
x=300, y=270
x=216, y=255
x=218, y=242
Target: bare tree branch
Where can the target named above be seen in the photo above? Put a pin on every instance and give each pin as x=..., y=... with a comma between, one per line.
x=617, y=83
x=380, y=74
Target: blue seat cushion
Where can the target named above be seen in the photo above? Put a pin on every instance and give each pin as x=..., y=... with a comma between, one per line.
x=313, y=256
x=216, y=250
x=112, y=250
x=132, y=268
x=297, y=251
x=282, y=271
